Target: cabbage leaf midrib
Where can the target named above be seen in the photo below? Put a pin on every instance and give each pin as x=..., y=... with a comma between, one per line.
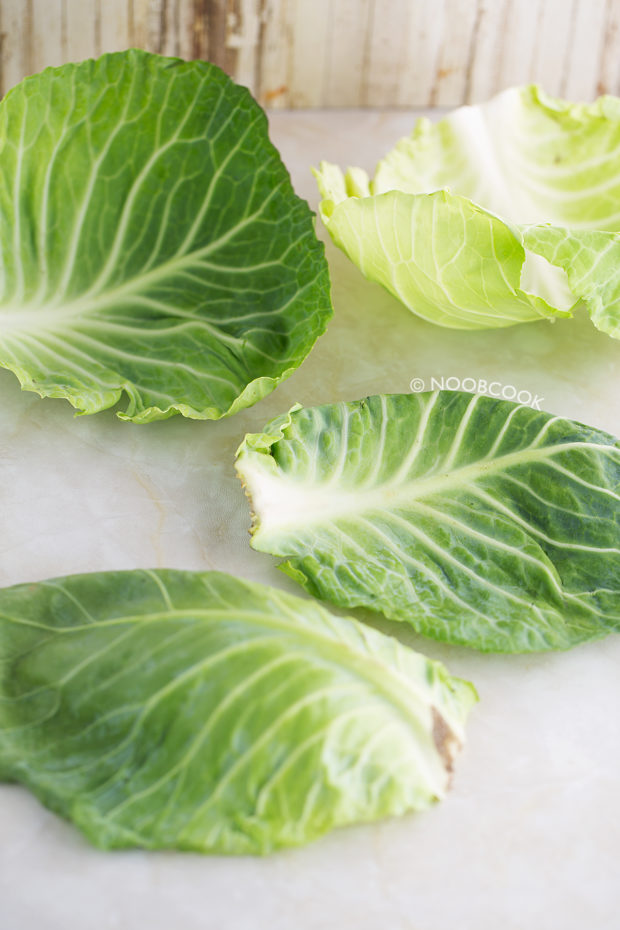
x=364, y=664
x=317, y=502
x=50, y=314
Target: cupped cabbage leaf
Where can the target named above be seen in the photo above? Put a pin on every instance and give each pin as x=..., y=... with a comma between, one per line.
x=194, y=710
x=475, y=520
x=462, y=219
x=151, y=243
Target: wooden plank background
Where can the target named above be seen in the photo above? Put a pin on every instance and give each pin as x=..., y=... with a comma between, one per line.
x=338, y=53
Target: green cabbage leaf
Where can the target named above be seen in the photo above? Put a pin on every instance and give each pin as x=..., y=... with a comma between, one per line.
x=500, y=213
x=164, y=709
x=152, y=248
x=477, y=521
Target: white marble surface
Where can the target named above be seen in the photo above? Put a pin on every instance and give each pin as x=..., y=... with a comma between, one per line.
x=528, y=837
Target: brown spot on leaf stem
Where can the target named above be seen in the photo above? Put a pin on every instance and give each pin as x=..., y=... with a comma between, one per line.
x=445, y=739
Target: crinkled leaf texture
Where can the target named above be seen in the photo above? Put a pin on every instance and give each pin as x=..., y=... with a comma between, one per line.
x=194, y=710
x=477, y=521
x=463, y=218
x=151, y=243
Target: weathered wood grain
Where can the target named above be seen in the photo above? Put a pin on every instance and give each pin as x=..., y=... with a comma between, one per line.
x=609, y=72
x=335, y=53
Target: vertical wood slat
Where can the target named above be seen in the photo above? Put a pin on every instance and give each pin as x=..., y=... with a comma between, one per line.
x=17, y=49
x=113, y=25
x=309, y=41
x=48, y=32
x=385, y=50
x=243, y=28
x=554, y=33
x=455, y=56
x=273, y=83
x=346, y=50
x=304, y=53
x=81, y=22
x=418, y=75
x=486, y=53
x=584, y=58
x=145, y=23
x=517, y=42
x=609, y=79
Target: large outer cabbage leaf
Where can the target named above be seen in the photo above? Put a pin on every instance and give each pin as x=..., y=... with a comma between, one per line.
x=522, y=160
x=477, y=521
x=151, y=242
x=198, y=711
